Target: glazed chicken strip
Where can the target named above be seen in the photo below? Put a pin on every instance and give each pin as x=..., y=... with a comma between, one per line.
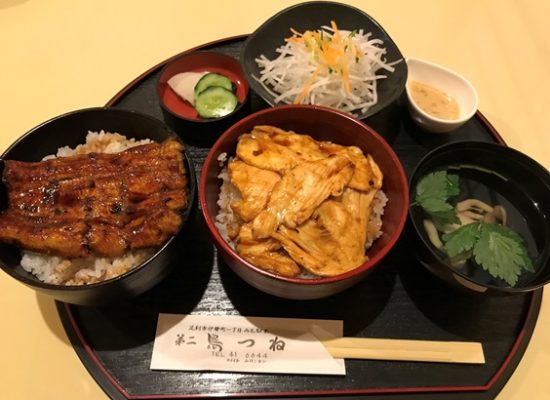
x=260, y=151
x=359, y=204
x=377, y=176
x=303, y=146
x=255, y=186
x=271, y=148
x=300, y=191
x=272, y=262
x=367, y=174
x=329, y=244
x=346, y=229
x=263, y=253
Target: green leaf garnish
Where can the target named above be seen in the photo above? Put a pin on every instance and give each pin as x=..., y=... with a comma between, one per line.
x=462, y=240
x=437, y=185
x=442, y=212
x=497, y=249
x=432, y=193
x=501, y=254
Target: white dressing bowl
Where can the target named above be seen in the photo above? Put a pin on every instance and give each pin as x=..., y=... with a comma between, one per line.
x=447, y=81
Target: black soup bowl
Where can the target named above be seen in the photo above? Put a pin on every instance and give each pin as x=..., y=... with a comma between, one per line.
x=496, y=175
x=70, y=130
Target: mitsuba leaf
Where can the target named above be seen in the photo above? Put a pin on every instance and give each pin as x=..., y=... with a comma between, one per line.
x=500, y=251
x=453, y=187
x=462, y=240
x=432, y=193
x=512, y=234
x=441, y=211
x=497, y=249
x=437, y=185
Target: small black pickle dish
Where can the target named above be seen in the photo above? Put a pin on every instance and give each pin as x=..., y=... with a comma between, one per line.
x=182, y=116
x=70, y=130
x=494, y=174
x=312, y=16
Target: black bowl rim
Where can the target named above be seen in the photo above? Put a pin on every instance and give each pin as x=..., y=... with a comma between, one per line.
x=493, y=147
x=366, y=266
x=256, y=87
x=206, y=120
x=185, y=215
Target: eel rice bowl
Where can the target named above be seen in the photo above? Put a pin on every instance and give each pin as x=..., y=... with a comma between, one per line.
x=93, y=212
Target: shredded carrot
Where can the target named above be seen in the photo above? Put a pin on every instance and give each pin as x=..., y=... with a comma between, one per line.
x=308, y=84
x=336, y=31
x=330, y=51
x=356, y=52
x=341, y=49
x=294, y=39
x=345, y=76
x=325, y=66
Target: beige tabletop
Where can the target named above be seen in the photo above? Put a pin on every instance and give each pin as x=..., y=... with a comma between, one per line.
x=61, y=55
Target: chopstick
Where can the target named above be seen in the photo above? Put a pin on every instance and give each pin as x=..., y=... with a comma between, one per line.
x=406, y=350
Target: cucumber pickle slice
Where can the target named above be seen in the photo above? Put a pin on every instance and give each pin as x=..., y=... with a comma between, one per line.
x=213, y=79
x=215, y=102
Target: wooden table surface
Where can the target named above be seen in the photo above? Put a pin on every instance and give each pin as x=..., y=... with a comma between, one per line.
x=61, y=55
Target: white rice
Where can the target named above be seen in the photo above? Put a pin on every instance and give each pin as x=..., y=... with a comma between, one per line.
x=228, y=194
x=374, y=227
x=80, y=271
x=83, y=271
x=99, y=142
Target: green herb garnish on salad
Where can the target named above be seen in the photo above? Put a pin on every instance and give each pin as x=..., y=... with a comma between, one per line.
x=479, y=232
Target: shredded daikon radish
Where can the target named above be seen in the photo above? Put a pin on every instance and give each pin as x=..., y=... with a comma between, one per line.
x=328, y=67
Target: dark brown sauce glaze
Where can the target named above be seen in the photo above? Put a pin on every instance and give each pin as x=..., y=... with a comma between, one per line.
x=90, y=204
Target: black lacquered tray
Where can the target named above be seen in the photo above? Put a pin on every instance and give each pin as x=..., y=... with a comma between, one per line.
x=398, y=300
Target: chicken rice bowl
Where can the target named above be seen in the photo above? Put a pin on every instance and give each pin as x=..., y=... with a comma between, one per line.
x=298, y=207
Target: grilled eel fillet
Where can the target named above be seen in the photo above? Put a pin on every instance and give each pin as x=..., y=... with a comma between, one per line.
x=96, y=204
